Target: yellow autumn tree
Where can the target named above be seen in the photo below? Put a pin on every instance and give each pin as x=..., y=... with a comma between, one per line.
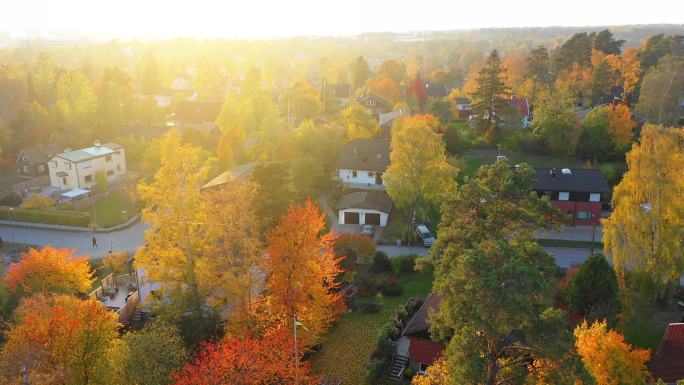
x=645, y=232
x=608, y=358
x=419, y=169
x=436, y=374
x=200, y=245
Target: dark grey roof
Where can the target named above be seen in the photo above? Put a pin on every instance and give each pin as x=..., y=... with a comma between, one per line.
x=365, y=154
x=375, y=200
x=437, y=90
x=340, y=90
x=241, y=172
x=420, y=321
x=40, y=154
x=581, y=180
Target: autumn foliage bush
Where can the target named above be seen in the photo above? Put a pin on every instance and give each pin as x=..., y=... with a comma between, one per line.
x=354, y=248
x=247, y=361
x=50, y=269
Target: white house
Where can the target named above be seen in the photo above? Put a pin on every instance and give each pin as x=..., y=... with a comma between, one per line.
x=362, y=162
x=364, y=208
x=77, y=169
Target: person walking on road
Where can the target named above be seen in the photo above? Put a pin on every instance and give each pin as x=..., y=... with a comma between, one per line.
x=94, y=242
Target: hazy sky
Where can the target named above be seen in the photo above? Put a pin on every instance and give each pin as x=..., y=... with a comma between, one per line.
x=261, y=18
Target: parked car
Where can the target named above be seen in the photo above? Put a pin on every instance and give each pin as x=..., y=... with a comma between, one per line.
x=367, y=230
x=425, y=235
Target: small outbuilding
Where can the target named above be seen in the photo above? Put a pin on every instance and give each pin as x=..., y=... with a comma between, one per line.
x=365, y=208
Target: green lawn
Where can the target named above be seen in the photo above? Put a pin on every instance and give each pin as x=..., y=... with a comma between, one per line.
x=473, y=159
x=648, y=321
x=350, y=342
x=115, y=209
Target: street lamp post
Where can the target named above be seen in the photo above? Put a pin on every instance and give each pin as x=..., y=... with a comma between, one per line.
x=593, y=236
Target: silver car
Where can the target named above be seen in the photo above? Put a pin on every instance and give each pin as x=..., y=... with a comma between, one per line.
x=367, y=230
x=425, y=235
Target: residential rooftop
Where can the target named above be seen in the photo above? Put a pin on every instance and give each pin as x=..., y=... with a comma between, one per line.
x=91, y=152
x=577, y=180
x=365, y=154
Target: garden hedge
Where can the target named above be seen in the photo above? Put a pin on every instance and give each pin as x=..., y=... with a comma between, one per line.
x=52, y=217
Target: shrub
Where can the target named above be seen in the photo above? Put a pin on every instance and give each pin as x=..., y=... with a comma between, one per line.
x=381, y=263
x=53, y=217
x=355, y=247
x=37, y=201
x=392, y=290
x=367, y=283
x=594, y=287
x=10, y=198
x=405, y=263
x=118, y=262
x=370, y=307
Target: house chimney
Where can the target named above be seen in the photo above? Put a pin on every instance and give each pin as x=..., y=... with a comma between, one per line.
x=553, y=173
x=97, y=143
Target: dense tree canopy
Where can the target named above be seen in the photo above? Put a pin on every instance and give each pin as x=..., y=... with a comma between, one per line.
x=644, y=232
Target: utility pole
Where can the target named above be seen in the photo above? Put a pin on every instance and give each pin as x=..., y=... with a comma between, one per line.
x=296, y=353
x=593, y=236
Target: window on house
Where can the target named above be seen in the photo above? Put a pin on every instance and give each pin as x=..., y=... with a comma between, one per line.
x=24, y=158
x=108, y=158
x=563, y=196
x=110, y=172
x=371, y=174
x=54, y=164
x=118, y=167
x=67, y=165
x=584, y=214
x=41, y=168
x=26, y=169
x=593, y=197
x=88, y=178
x=64, y=181
x=371, y=102
x=353, y=173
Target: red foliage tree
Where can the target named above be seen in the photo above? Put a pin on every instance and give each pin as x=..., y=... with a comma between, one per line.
x=247, y=361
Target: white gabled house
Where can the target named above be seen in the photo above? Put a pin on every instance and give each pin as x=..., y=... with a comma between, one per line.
x=77, y=169
x=362, y=162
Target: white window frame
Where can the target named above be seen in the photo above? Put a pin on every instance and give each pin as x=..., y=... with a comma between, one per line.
x=41, y=168
x=26, y=169
x=594, y=197
x=67, y=165
x=563, y=196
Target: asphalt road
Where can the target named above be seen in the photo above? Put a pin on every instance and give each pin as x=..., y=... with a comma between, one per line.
x=131, y=239
x=565, y=256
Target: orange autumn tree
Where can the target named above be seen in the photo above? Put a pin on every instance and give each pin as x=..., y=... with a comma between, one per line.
x=608, y=358
x=247, y=361
x=620, y=124
x=385, y=88
x=301, y=268
x=50, y=269
x=59, y=339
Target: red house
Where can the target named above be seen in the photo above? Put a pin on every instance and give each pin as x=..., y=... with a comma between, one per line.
x=668, y=363
x=577, y=192
x=422, y=351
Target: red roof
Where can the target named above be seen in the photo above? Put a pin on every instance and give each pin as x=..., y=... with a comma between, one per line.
x=520, y=104
x=668, y=362
x=425, y=351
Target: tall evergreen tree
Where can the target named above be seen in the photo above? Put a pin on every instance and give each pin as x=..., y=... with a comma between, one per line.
x=488, y=98
x=537, y=68
x=605, y=42
x=577, y=49
x=491, y=276
x=360, y=72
